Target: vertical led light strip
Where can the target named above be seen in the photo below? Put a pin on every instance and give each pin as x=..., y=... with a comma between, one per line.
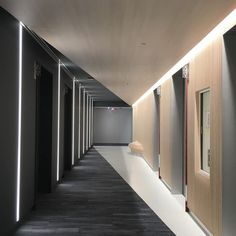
x=73, y=124
x=92, y=126
x=58, y=118
x=79, y=122
x=87, y=122
x=18, y=181
x=91, y=131
x=83, y=121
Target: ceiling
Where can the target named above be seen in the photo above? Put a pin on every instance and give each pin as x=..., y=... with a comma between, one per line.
x=127, y=45
x=94, y=88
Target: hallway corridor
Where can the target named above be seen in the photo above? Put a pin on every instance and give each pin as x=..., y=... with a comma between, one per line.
x=93, y=200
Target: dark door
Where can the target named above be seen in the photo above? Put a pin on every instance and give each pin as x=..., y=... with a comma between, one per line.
x=43, y=132
x=68, y=129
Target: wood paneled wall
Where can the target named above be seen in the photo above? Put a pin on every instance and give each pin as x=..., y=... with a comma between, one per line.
x=204, y=191
x=204, y=194
x=145, y=129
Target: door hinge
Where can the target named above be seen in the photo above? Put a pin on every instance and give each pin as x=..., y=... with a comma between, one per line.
x=37, y=70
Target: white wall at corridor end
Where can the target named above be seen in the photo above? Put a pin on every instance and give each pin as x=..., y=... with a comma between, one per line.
x=112, y=125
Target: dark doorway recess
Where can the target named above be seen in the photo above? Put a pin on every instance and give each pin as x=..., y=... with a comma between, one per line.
x=178, y=131
x=67, y=129
x=43, y=164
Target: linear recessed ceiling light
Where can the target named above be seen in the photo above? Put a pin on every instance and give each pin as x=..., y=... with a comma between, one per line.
x=218, y=31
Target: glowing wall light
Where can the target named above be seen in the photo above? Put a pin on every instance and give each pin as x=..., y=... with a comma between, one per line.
x=89, y=138
x=218, y=31
x=92, y=124
x=79, y=133
x=58, y=118
x=88, y=119
x=18, y=181
x=83, y=121
x=87, y=105
x=73, y=122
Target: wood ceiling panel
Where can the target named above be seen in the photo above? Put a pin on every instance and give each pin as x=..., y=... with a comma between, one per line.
x=127, y=45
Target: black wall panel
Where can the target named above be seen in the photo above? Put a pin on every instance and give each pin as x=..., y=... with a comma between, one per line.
x=9, y=68
x=9, y=33
x=65, y=82
x=33, y=52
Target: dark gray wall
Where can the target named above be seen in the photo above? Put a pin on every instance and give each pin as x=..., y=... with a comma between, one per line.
x=9, y=59
x=65, y=82
x=9, y=29
x=112, y=127
x=32, y=52
x=9, y=102
x=229, y=135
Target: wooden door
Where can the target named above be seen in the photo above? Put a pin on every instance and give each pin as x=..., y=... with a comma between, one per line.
x=203, y=191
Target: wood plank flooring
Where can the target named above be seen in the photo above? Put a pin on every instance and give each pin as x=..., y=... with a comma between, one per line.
x=93, y=200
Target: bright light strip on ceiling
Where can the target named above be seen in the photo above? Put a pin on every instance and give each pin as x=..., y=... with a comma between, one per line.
x=18, y=181
x=218, y=31
x=73, y=123
x=58, y=118
x=79, y=133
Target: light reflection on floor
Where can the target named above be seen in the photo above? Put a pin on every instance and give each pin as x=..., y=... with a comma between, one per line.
x=136, y=172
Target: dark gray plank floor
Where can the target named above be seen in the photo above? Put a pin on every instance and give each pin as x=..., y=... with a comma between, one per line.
x=93, y=200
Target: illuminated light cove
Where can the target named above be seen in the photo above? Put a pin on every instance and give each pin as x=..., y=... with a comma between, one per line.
x=218, y=31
